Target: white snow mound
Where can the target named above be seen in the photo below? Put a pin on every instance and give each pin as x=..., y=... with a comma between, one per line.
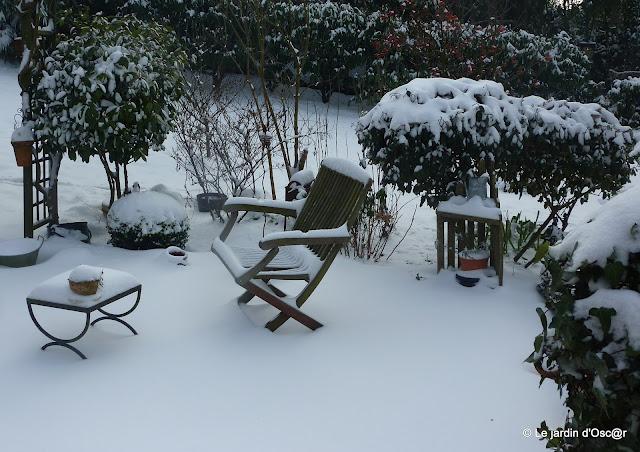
x=613, y=230
x=626, y=322
x=148, y=209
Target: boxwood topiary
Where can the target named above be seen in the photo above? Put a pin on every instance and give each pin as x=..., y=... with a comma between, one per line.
x=146, y=220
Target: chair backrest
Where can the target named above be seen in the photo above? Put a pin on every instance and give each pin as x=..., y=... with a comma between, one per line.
x=335, y=198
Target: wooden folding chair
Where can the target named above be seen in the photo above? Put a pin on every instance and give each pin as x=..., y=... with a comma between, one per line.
x=307, y=251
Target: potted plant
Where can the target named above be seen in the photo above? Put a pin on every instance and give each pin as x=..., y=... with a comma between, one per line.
x=22, y=142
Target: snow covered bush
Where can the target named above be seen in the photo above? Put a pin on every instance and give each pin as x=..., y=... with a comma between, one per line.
x=151, y=219
x=591, y=347
x=338, y=26
x=624, y=100
x=109, y=89
x=217, y=139
x=425, y=39
x=7, y=24
x=430, y=134
x=201, y=26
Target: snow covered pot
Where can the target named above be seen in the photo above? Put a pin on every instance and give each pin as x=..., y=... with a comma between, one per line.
x=22, y=142
x=176, y=255
x=591, y=345
x=148, y=219
x=85, y=280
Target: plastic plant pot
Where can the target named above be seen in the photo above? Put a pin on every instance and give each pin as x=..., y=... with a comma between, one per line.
x=469, y=260
x=467, y=281
x=211, y=201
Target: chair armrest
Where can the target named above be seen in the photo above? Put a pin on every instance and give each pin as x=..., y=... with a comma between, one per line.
x=316, y=237
x=286, y=208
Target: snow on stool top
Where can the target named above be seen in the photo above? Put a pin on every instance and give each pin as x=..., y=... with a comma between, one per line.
x=347, y=168
x=474, y=207
x=56, y=289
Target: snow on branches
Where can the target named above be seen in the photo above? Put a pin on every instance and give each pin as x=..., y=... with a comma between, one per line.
x=430, y=133
x=110, y=87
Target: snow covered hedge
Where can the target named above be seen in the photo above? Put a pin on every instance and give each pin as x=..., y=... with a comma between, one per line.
x=624, y=100
x=110, y=87
x=591, y=347
x=431, y=133
x=7, y=24
x=149, y=219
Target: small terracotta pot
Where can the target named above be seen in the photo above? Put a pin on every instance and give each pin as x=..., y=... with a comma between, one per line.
x=22, y=150
x=469, y=263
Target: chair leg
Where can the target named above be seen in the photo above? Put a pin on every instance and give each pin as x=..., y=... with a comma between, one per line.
x=245, y=297
x=277, y=291
x=276, y=322
x=286, y=309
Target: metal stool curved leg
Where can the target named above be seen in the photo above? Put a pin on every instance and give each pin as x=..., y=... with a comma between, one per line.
x=118, y=317
x=56, y=340
x=133, y=308
x=115, y=319
x=62, y=344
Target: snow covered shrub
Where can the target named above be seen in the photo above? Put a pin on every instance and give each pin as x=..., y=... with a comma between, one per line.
x=430, y=134
x=331, y=34
x=109, y=89
x=8, y=12
x=591, y=346
x=217, y=139
x=201, y=26
x=149, y=219
x=624, y=100
x=378, y=219
x=424, y=39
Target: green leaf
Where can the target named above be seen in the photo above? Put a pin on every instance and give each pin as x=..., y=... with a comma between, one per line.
x=541, y=252
x=614, y=272
x=604, y=316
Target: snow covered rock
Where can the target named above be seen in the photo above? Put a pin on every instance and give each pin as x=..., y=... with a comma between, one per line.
x=148, y=219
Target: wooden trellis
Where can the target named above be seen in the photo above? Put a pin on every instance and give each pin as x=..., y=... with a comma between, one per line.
x=40, y=178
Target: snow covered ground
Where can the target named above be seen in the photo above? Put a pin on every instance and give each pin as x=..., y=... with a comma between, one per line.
x=402, y=363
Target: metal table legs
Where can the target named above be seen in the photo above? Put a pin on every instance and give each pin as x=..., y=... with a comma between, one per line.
x=118, y=317
x=66, y=343
x=56, y=340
